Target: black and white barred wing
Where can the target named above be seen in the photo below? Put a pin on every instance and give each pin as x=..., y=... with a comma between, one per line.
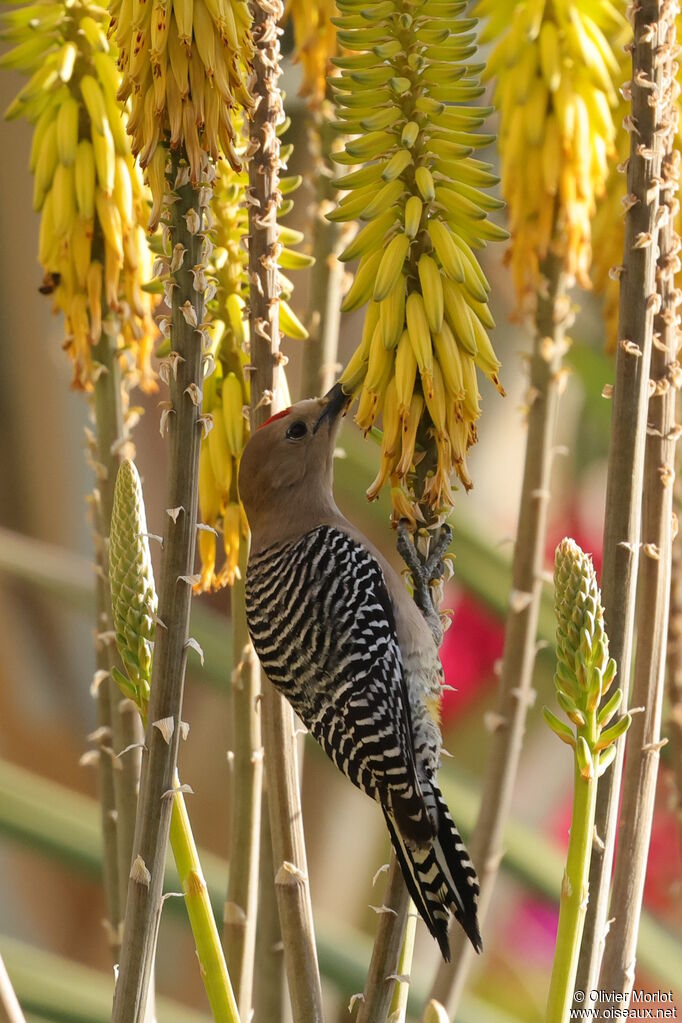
x=322, y=625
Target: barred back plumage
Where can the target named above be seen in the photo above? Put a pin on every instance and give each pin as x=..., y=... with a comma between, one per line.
x=323, y=626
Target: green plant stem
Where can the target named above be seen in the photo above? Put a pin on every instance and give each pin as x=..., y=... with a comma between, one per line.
x=241, y=908
x=111, y=440
x=515, y=694
x=398, y=1010
x=384, y=964
x=321, y=348
x=143, y=908
x=63, y=825
x=622, y=524
x=573, y=901
x=268, y=994
x=105, y=778
x=643, y=743
x=209, y=950
x=284, y=801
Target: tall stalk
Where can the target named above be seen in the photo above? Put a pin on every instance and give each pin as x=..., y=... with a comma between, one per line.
x=584, y=675
x=622, y=525
x=241, y=909
x=126, y=728
x=143, y=908
x=288, y=843
x=380, y=985
x=268, y=992
x=644, y=740
x=516, y=679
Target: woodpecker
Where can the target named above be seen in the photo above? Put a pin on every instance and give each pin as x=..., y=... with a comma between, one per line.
x=339, y=636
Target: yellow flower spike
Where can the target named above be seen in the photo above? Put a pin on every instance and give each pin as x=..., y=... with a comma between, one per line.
x=184, y=67
x=403, y=98
x=556, y=76
x=92, y=245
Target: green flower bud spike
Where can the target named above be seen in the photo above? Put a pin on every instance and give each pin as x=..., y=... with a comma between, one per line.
x=583, y=677
x=133, y=594
x=134, y=603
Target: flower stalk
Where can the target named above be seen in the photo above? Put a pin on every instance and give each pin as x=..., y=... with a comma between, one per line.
x=185, y=425
x=134, y=602
x=644, y=738
x=515, y=693
x=381, y=984
x=583, y=677
x=125, y=730
x=241, y=908
x=288, y=843
x=268, y=994
x=551, y=199
x=651, y=22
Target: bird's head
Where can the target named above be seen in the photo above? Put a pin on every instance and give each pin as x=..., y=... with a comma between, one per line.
x=288, y=462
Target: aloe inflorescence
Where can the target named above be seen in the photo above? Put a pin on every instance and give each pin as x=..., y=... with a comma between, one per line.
x=405, y=98
x=584, y=675
x=133, y=593
x=93, y=205
x=556, y=72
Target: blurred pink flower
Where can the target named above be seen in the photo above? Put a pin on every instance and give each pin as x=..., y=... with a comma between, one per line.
x=471, y=646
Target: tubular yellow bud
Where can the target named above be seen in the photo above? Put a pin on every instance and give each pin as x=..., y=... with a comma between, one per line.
x=405, y=374
x=413, y=215
x=233, y=417
x=392, y=314
x=409, y=434
x=391, y=266
x=419, y=333
x=432, y=290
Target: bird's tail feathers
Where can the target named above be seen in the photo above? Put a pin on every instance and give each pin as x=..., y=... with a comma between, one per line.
x=440, y=878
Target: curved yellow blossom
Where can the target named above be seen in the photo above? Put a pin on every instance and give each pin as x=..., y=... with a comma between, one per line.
x=93, y=204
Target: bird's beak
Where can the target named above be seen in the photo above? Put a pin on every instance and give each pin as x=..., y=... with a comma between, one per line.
x=336, y=402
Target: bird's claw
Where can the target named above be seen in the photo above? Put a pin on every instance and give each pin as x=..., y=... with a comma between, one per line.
x=425, y=571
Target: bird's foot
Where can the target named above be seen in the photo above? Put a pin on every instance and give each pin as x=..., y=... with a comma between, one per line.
x=424, y=572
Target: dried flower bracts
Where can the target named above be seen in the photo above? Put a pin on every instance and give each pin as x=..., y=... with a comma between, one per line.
x=92, y=241
x=404, y=96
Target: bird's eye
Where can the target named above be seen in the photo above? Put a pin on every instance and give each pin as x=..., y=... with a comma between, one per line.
x=297, y=430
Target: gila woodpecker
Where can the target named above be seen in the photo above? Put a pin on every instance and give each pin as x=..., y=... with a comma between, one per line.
x=339, y=636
